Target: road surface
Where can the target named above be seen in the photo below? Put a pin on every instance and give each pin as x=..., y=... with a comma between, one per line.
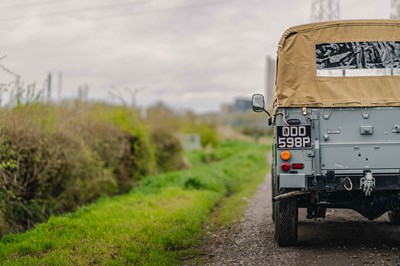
x=343, y=238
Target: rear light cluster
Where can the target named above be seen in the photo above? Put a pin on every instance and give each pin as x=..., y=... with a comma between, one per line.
x=297, y=165
x=286, y=166
x=285, y=155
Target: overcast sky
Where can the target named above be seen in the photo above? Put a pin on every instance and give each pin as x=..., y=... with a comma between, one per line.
x=187, y=53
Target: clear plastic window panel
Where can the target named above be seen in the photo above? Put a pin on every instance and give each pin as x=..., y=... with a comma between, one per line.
x=358, y=59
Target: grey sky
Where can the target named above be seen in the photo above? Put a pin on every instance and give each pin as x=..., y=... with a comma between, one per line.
x=188, y=53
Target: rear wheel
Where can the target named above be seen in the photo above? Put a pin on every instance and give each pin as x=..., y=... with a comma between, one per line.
x=286, y=218
x=274, y=211
x=273, y=193
x=394, y=217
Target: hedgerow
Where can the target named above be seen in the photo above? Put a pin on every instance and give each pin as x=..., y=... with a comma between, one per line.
x=54, y=158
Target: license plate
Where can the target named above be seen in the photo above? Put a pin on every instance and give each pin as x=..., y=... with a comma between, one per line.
x=294, y=137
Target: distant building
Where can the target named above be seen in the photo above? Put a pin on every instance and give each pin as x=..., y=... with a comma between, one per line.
x=233, y=114
x=241, y=106
x=226, y=109
x=269, y=81
x=225, y=115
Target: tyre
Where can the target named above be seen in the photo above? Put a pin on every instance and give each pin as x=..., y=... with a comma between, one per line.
x=273, y=193
x=394, y=217
x=274, y=217
x=274, y=211
x=286, y=219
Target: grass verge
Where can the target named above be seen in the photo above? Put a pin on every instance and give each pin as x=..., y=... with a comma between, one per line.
x=155, y=224
x=227, y=213
x=233, y=207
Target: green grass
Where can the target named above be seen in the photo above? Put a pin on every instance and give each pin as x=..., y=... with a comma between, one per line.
x=229, y=210
x=155, y=224
x=233, y=207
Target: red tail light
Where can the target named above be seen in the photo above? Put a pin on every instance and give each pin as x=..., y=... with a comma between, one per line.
x=285, y=166
x=297, y=165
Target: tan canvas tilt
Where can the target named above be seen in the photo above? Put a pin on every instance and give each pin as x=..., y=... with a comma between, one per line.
x=297, y=83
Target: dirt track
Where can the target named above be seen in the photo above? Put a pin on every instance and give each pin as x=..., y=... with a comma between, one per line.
x=343, y=238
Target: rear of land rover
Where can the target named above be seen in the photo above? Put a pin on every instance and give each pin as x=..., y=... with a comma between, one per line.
x=344, y=157
x=336, y=122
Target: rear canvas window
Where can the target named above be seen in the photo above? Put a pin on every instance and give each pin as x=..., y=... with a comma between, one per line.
x=358, y=59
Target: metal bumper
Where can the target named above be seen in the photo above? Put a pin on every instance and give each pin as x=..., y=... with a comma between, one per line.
x=348, y=182
x=292, y=181
x=337, y=182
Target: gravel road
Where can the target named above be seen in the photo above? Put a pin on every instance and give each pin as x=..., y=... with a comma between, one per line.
x=343, y=238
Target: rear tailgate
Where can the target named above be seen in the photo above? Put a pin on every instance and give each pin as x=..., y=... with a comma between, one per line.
x=359, y=139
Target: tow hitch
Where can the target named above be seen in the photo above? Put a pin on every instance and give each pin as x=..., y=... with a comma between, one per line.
x=367, y=183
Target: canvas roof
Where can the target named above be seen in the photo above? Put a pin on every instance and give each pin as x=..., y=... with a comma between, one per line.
x=297, y=83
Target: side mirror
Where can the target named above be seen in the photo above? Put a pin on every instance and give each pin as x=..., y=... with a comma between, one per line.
x=257, y=103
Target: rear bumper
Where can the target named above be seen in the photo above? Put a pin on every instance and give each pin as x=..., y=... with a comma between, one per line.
x=340, y=182
x=293, y=181
x=337, y=182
